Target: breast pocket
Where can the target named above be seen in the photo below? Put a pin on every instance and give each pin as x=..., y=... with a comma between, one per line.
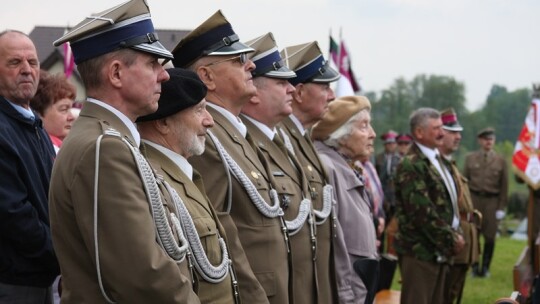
x=208, y=234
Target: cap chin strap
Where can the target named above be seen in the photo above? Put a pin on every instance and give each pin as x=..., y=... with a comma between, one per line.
x=149, y=38
x=225, y=41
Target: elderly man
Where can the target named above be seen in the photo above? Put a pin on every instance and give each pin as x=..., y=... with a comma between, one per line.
x=171, y=135
x=262, y=113
x=236, y=181
x=109, y=213
x=487, y=173
x=343, y=135
x=28, y=264
x=468, y=218
x=427, y=213
x=310, y=101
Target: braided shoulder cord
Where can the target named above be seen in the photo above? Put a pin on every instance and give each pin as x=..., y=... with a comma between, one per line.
x=303, y=212
x=164, y=231
x=209, y=272
x=323, y=214
x=256, y=198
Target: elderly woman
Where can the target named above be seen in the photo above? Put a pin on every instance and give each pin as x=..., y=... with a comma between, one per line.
x=53, y=101
x=342, y=136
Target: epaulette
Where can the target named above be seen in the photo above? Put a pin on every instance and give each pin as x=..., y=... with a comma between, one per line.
x=106, y=129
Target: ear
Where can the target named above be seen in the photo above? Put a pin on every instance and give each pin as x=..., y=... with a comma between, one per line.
x=418, y=132
x=207, y=76
x=299, y=92
x=114, y=73
x=255, y=99
x=162, y=125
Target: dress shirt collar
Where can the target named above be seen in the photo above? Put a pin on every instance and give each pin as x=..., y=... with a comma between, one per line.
x=270, y=133
x=27, y=113
x=180, y=161
x=129, y=124
x=298, y=124
x=235, y=120
x=431, y=154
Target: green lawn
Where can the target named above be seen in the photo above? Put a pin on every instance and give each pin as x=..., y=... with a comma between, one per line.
x=499, y=284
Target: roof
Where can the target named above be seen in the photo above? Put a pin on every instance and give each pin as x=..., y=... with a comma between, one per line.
x=43, y=37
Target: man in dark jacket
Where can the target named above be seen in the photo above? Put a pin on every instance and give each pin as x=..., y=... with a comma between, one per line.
x=28, y=264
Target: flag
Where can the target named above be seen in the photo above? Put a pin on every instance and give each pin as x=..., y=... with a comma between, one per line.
x=347, y=84
x=69, y=60
x=526, y=157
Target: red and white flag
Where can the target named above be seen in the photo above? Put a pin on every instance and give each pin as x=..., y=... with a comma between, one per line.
x=526, y=158
x=347, y=84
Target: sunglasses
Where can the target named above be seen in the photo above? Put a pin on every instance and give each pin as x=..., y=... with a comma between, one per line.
x=242, y=58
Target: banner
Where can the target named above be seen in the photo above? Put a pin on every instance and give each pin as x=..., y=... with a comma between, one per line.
x=525, y=159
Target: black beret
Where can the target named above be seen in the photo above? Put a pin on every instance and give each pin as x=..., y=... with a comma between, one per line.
x=183, y=90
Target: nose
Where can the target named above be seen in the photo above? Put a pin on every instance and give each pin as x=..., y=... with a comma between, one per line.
x=331, y=95
x=70, y=116
x=250, y=65
x=163, y=74
x=290, y=88
x=208, y=120
x=372, y=133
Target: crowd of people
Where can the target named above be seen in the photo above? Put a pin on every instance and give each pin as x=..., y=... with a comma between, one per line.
x=233, y=176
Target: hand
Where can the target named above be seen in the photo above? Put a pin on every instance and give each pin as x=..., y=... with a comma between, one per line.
x=459, y=244
x=499, y=214
x=380, y=227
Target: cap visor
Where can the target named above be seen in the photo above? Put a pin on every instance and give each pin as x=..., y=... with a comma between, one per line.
x=282, y=72
x=455, y=128
x=155, y=48
x=329, y=75
x=235, y=48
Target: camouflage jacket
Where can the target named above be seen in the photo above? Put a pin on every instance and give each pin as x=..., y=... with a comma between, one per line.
x=423, y=209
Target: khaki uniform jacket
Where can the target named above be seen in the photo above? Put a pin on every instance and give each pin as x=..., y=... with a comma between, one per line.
x=262, y=249
x=317, y=179
x=490, y=176
x=134, y=268
x=470, y=252
x=206, y=222
x=291, y=185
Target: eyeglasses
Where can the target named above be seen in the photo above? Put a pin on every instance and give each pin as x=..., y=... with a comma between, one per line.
x=242, y=58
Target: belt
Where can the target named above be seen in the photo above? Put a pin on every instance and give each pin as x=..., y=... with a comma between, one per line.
x=484, y=194
x=466, y=216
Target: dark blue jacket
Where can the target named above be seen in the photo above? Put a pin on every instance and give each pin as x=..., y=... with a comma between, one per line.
x=26, y=159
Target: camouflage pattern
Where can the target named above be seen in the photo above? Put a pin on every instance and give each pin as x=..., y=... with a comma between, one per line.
x=423, y=210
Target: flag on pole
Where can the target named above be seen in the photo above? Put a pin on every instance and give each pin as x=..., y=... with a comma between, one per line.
x=526, y=157
x=347, y=84
x=69, y=60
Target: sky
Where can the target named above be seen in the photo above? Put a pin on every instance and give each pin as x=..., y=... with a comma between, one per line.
x=478, y=42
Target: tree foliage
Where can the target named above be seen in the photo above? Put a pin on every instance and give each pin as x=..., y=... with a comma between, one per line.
x=503, y=110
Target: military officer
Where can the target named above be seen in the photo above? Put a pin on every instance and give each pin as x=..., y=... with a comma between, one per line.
x=404, y=142
x=468, y=218
x=261, y=114
x=236, y=180
x=487, y=173
x=310, y=101
x=175, y=132
x=109, y=222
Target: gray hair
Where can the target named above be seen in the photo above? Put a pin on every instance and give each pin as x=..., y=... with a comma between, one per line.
x=345, y=129
x=90, y=70
x=420, y=117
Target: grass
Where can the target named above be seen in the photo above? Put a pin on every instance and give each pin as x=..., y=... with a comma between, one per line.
x=499, y=284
